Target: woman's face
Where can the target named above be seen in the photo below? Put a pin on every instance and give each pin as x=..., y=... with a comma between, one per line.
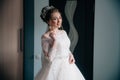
x=55, y=20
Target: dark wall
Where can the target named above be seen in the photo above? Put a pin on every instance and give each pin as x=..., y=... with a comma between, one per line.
x=28, y=40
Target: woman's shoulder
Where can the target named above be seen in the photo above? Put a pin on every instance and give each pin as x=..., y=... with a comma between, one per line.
x=63, y=31
x=45, y=36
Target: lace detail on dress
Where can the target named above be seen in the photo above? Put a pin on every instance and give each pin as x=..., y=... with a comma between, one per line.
x=56, y=64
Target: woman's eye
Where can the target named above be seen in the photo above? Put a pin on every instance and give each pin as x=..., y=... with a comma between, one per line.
x=53, y=19
x=56, y=18
x=60, y=17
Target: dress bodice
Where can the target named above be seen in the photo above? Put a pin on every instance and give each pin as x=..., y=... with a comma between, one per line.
x=62, y=45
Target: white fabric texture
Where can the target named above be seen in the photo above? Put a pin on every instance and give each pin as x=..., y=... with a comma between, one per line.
x=57, y=66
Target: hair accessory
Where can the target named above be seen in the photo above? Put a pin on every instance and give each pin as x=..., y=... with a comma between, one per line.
x=45, y=10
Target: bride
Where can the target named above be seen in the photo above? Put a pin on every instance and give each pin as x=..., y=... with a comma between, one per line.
x=58, y=63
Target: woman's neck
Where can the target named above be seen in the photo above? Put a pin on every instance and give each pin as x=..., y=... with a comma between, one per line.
x=54, y=30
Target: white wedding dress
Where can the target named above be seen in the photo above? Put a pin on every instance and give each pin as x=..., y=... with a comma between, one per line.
x=57, y=66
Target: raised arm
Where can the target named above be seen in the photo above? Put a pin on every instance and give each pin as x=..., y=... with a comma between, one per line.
x=48, y=48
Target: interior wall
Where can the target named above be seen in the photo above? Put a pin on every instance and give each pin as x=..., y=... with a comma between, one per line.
x=11, y=20
x=39, y=28
x=107, y=40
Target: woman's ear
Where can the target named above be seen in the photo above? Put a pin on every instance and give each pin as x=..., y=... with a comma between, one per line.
x=48, y=23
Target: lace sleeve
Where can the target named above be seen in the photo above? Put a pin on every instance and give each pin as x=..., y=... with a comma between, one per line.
x=48, y=51
x=69, y=39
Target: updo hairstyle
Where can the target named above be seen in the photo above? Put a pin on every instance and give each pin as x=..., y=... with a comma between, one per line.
x=46, y=13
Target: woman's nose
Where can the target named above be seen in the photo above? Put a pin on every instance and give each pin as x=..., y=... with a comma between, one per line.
x=59, y=20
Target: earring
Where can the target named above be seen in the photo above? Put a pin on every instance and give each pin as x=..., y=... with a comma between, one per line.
x=61, y=28
x=50, y=27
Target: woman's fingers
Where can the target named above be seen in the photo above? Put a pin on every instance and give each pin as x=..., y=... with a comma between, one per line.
x=71, y=60
x=52, y=35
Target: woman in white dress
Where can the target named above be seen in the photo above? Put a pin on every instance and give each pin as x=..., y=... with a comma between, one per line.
x=58, y=62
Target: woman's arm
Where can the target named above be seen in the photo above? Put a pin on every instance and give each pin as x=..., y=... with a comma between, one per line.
x=71, y=57
x=48, y=48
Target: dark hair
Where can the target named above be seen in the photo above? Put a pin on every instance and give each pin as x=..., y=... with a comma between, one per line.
x=46, y=13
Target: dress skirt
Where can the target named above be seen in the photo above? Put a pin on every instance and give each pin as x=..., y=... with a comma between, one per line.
x=59, y=69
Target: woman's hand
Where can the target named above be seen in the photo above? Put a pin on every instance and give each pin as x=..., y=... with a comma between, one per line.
x=52, y=35
x=53, y=42
x=71, y=59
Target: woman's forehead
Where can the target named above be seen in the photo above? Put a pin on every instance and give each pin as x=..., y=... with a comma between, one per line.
x=55, y=14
